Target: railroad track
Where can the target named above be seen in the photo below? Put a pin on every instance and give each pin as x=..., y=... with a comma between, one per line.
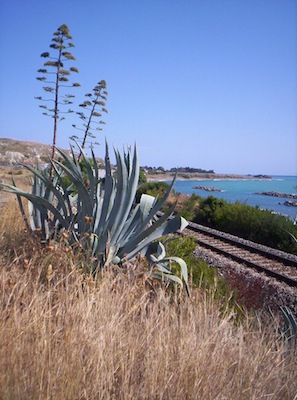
x=277, y=264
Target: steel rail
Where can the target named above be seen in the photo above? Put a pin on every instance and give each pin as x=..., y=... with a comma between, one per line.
x=254, y=249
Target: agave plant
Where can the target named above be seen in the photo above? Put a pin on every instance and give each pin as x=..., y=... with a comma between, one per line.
x=102, y=216
x=289, y=330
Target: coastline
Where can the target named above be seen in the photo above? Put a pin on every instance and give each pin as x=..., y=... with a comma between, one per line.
x=238, y=188
x=189, y=176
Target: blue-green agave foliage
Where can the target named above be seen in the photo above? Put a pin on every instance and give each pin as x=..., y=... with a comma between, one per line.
x=289, y=330
x=50, y=204
x=101, y=214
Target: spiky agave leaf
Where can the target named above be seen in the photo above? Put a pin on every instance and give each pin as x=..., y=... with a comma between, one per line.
x=162, y=227
x=48, y=205
x=156, y=253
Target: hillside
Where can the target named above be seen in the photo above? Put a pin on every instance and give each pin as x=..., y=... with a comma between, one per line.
x=14, y=152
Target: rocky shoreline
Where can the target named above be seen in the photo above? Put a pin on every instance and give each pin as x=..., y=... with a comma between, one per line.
x=278, y=194
x=208, y=188
x=290, y=203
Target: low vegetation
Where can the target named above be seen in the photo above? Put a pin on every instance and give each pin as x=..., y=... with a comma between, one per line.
x=200, y=274
x=251, y=223
x=156, y=189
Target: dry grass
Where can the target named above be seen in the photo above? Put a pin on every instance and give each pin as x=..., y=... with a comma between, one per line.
x=22, y=181
x=65, y=337
x=19, y=175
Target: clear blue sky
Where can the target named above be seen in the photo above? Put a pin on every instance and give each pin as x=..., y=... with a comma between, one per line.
x=201, y=83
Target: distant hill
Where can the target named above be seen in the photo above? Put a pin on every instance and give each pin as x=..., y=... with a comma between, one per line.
x=14, y=152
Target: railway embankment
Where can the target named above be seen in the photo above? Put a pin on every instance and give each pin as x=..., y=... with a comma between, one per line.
x=258, y=274
x=253, y=290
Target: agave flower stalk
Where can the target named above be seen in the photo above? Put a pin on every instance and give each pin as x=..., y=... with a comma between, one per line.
x=54, y=67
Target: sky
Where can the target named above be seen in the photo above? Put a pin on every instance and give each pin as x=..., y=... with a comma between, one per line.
x=208, y=84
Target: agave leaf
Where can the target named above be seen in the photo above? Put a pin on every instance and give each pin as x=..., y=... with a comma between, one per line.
x=156, y=248
x=72, y=161
x=162, y=262
x=38, y=202
x=97, y=212
x=20, y=203
x=181, y=263
x=141, y=232
x=167, y=278
x=127, y=182
x=146, y=204
x=292, y=236
x=83, y=195
x=101, y=227
x=129, y=192
x=121, y=193
x=290, y=321
x=130, y=227
x=159, y=203
x=50, y=189
x=162, y=267
x=34, y=216
x=91, y=177
x=183, y=267
x=116, y=260
x=71, y=165
x=136, y=218
x=161, y=227
x=95, y=165
x=157, y=207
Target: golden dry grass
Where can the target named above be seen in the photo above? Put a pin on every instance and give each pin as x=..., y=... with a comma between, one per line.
x=20, y=175
x=63, y=336
x=22, y=181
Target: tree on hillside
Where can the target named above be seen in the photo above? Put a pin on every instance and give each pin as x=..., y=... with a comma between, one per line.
x=56, y=78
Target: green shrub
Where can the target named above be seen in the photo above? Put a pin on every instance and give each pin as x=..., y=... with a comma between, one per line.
x=251, y=223
x=200, y=273
x=207, y=210
x=155, y=189
x=190, y=207
x=142, y=177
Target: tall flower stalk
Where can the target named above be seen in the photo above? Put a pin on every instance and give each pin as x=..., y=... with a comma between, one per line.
x=96, y=102
x=60, y=79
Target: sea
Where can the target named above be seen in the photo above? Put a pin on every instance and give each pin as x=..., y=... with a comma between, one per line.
x=244, y=191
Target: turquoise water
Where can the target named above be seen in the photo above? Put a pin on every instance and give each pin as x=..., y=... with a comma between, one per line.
x=244, y=191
